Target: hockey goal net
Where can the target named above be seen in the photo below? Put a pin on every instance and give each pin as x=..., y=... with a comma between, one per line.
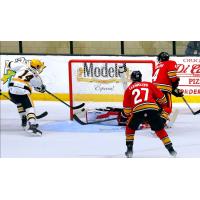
x=100, y=81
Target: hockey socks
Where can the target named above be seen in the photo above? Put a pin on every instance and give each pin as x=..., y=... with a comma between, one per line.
x=24, y=121
x=129, y=142
x=162, y=134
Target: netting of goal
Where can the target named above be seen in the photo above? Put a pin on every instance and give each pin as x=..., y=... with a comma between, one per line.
x=100, y=81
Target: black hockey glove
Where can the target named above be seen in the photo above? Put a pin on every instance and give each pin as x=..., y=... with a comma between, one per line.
x=177, y=92
x=41, y=89
x=175, y=84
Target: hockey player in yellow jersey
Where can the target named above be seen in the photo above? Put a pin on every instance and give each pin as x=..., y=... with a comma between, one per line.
x=25, y=76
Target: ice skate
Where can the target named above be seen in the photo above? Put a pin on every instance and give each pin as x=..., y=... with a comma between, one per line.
x=172, y=152
x=129, y=153
x=33, y=130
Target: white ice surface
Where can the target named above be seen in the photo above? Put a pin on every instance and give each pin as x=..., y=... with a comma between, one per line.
x=63, y=138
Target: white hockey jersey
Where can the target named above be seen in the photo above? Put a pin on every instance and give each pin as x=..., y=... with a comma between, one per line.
x=24, y=79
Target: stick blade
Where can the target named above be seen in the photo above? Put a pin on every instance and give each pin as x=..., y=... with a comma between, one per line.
x=197, y=112
x=78, y=120
x=44, y=114
x=79, y=106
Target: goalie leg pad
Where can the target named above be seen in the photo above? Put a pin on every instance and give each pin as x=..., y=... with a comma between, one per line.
x=101, y=115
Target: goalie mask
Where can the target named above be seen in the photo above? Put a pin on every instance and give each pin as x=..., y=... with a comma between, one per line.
x=136, y=76
x=163, y=56
x=37, y=65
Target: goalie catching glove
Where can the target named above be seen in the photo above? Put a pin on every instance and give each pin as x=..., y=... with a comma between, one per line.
x=41, y=89
x=122, y=69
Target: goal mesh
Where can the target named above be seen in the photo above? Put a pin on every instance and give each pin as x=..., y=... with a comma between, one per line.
x=100, y=81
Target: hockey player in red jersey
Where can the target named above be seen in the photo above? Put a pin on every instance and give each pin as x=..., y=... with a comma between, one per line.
x=165, y=78
x=140, y=104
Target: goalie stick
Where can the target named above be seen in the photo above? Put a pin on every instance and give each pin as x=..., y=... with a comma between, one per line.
x=73, y=107
x=194, y=113
x=44, y=114
x=76, y=118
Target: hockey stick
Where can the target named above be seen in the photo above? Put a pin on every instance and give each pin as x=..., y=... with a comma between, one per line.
x=73, y=107
x=37, y=117
x=194, y=113
x=96, y=122
x=6, y=97
x=172, y=119
x=44, y=114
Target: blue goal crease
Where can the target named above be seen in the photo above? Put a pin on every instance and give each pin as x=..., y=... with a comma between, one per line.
x=68, y=126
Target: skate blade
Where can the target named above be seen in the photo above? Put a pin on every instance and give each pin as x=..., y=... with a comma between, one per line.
x=129, y=155
x=174, y=155
x=31, y=133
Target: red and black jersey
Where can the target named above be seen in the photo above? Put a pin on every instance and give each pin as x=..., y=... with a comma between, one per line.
x=141, y=96
x=164, y=74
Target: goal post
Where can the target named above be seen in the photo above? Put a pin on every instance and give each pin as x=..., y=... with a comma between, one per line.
x=98, y=80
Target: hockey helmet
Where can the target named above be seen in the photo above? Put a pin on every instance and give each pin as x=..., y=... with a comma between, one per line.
x=163, y=56
x=37, y=65
x=136, y=76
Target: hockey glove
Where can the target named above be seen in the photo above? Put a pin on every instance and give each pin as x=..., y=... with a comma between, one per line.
x=175, y=84
x=122, y=118
x=177, y=92
x=41, y=89
x=122, y=68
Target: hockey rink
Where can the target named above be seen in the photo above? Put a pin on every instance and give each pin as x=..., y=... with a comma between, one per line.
x=63, y=138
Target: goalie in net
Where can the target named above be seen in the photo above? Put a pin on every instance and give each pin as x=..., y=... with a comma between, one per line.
x=108, y=115
x=113, y=115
